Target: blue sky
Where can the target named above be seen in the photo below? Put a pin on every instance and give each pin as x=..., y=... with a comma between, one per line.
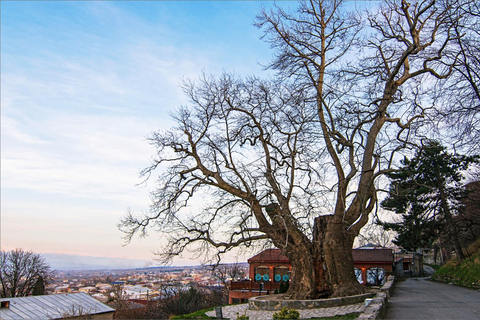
x=83, y=84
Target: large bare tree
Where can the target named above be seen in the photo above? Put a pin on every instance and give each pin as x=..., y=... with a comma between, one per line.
x=294, y=160
x=459, y=96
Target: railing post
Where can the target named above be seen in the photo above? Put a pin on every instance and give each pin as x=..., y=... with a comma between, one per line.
x=219, y=313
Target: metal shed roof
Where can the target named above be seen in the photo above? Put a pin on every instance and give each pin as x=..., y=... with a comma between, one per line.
x=52, y=306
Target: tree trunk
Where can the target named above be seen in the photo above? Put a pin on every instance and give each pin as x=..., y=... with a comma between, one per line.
x=302, y=284
x=451, y=224
x=338, y=246
x=323, y=268
x=322, y=284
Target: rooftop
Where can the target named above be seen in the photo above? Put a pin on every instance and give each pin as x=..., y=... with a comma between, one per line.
x=54, y=306
x=372, y=255
x=269, y=255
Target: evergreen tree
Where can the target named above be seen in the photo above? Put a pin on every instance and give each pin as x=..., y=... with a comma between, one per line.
x=39, y=288
x=427, y=191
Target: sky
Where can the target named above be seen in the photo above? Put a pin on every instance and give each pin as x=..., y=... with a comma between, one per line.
x=83, y=84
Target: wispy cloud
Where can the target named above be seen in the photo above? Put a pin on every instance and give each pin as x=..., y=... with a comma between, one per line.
x=83, y=84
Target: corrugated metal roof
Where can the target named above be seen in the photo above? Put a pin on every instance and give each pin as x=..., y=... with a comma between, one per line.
x=52, y=306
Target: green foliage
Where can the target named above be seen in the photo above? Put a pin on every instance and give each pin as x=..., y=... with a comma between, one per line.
x=426, y=191
x=186, y=302
x=200, y=314
x=434, y=266
x=283, y=287
x=39, y=287
x=189, y=304
x=243, y=316
x=464, y=273
x=276, y=291
x=286, y=313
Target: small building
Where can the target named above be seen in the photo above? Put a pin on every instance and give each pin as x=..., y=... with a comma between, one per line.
x=270, y=268
x=56, y=306
x=373, y=265
x=412, y=263
x=267, y=270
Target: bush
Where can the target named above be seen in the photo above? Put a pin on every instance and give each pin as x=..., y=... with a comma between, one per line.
x=286, y=313
x=185, y=302
x=243, y=317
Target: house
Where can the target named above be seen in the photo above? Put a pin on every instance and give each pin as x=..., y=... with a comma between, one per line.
x=412, y=263
x=372, y=264
x=270, y=268
x=56, y=306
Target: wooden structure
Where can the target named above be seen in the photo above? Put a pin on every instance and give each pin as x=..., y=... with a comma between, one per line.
x=269, y=268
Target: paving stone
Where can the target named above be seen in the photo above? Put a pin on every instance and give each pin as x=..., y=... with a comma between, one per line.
x=233, y=311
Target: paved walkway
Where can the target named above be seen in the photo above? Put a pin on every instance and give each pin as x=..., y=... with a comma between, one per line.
x=232, y=312
x=418, y=298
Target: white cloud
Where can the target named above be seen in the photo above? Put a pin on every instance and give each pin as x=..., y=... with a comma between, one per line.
x=79, y=96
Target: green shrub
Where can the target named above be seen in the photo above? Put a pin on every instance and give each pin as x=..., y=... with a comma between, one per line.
x=286, y=313
x=243, y=317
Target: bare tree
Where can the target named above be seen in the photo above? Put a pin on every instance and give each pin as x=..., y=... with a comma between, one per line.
x=20, y=271
x=376, y=235
x=459, y=97
x=294, y=160
x=226, y=273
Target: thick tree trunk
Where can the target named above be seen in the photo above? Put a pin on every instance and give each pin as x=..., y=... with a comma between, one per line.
x=302, y=283
x=451, y=224
x=324, y=267
x=322, y=283
x=339, y=260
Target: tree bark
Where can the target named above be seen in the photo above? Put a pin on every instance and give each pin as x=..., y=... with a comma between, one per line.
x=324, y=267
x=302, y=285
x=339, y=260
x=322, y=284
x=451, y=224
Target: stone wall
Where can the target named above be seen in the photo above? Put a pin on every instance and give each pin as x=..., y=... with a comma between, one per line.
x=270, y=303
x=377, y=307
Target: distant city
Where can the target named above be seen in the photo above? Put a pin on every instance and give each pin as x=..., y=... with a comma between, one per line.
x=141, y=284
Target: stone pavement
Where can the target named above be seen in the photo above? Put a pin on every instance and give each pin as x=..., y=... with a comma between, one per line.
x=233, y=311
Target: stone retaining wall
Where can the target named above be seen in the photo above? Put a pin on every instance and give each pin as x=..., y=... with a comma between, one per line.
x=378, y=306
x=258, y=303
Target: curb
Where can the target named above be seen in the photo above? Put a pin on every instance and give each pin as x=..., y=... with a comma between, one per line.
x=378, y=306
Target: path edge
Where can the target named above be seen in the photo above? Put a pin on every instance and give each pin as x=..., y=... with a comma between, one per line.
x=377, y=307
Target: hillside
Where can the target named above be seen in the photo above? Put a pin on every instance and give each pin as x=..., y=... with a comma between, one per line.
x=465, y=273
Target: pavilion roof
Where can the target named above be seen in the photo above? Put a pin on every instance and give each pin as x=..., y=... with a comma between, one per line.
x=372, y=255
x=269, y=255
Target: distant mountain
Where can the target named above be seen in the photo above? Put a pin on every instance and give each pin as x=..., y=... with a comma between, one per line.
x=77, y=262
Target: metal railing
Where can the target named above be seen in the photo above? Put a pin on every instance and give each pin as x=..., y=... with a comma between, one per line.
x=249, y=285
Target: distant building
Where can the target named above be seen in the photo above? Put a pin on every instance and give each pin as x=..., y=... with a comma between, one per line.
x=57, y=306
